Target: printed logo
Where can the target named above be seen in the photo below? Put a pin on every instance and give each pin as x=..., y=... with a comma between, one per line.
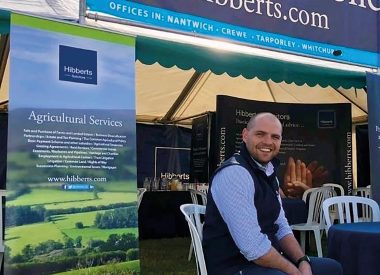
x=77, y=65
x=326, y=119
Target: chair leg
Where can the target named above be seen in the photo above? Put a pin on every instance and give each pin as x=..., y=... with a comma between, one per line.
x=318, y=242
x=190, y=252
x=303, y=240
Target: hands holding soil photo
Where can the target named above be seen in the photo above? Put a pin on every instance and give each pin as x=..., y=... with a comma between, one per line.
x=299, y=177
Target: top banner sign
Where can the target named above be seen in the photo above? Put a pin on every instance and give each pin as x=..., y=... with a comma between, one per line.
x=339, y=30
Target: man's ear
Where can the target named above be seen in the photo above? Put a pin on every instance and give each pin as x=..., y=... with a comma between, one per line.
x=245, y=134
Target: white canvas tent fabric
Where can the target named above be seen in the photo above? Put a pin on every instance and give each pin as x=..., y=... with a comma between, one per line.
x=158, y=87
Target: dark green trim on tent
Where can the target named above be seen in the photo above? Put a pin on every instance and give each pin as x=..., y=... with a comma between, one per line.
x=185, y=56
x=4, y=21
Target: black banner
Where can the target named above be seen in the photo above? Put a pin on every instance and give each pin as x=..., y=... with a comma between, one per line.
x=201, y=141
x=317, y=134
x=163, y=151
x=362, y=155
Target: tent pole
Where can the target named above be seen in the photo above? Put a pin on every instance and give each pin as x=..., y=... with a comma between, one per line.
x=182, y=96
x=270, y=90
x=82, y=11
x=352, y=102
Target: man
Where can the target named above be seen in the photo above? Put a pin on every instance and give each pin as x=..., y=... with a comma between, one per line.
x=245, y=227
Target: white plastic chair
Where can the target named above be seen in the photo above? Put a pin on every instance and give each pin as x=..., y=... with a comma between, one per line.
x=348, y=206
x=336, y=190
x=315, y=222
x=192, y=213
x=203, y=188
x=140, y=193
x=195, y=194
x=335, y=187
x=363, y=192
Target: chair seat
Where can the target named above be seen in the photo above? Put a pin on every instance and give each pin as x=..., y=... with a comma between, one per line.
x=306, y=226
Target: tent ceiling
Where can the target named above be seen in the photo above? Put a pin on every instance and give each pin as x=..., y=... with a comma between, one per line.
x=158, y=87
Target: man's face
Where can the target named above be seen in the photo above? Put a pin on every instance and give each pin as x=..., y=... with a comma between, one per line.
x=263, y=140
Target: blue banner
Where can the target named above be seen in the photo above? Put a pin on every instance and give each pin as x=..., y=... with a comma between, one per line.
x=336, y=30
x=71, y=165
x=373, y=99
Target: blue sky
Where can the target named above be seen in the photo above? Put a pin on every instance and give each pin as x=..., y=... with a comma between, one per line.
x=34, y=78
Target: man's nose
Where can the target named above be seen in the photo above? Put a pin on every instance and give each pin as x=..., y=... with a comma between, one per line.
x=267, y=139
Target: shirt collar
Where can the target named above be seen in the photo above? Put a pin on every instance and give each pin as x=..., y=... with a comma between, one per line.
x=268, y=168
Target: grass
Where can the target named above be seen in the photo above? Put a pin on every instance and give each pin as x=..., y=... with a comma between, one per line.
x=17, y=237
x=169, y=256
x=166, y=257
x=52, y=197
x=42, y=196
x=125, y=268
x=311, y=248
x=60, y=199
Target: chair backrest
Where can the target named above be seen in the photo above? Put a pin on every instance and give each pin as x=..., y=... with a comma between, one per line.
x=335, y=187
x=363, y=192
x=195, y=195
x=192, y=213
x=140, y=193
x=314, y=197
x=203, y=188
x=347, y=207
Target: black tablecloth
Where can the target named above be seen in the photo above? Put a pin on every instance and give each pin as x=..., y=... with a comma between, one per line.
x=295, y=210
x=160, y=216
x=356, y=246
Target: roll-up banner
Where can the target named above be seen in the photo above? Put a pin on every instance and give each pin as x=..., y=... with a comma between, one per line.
x=362, y=156
x=71, y=168
x=201, y=160
x=373, y=99
x=318, y=135
x=163, y=153
x=330, y=29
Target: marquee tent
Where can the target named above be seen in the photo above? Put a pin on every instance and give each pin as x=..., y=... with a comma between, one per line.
x=179, y=80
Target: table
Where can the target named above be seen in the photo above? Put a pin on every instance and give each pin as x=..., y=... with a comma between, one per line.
x=160, y=216
x=356, y=246
x=295, y=210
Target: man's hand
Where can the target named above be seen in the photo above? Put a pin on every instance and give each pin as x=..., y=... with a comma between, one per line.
x=297, y=178
x=305, y=268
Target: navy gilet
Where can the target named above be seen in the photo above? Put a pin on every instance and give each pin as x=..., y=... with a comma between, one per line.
x=222, y=256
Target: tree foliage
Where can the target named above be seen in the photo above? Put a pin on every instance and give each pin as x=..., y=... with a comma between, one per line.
x=117, y=218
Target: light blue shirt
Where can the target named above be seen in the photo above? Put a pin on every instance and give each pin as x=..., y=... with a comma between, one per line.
x=233, y=191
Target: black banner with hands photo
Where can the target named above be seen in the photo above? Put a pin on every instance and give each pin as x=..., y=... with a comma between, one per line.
x=316, y=143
